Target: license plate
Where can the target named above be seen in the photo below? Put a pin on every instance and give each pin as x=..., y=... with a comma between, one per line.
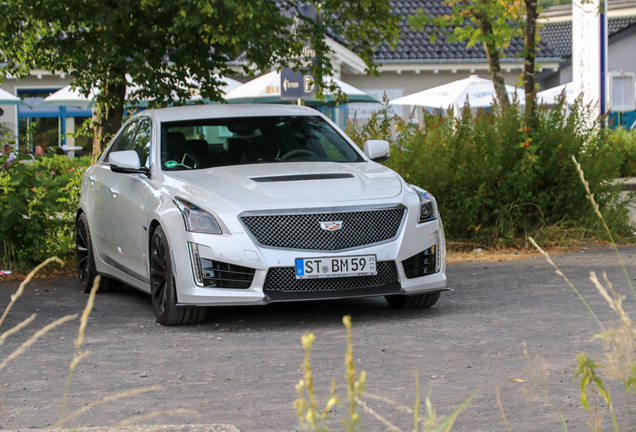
x=330, y=267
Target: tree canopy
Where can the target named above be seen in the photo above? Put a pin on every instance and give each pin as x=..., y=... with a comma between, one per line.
x=162, y=47
x=493, y=23
x=481, y=21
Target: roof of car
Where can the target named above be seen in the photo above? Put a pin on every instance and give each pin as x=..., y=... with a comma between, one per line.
x=228, y=110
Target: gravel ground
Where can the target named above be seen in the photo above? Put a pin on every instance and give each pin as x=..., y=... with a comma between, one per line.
x=507, y=332
x=144, y=428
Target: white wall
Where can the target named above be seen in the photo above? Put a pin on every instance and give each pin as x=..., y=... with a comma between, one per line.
x=622, y=54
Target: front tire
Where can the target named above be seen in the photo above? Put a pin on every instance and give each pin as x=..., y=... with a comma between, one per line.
x=413, y=302
x=85, y=259
x=162, y=286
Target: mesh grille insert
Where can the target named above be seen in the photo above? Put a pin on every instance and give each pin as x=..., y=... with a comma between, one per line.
x=304, y=231
x=283, y=279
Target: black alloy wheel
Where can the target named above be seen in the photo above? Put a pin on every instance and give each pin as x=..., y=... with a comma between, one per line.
x=85, y=260
x=162, y=286
x=84, y=254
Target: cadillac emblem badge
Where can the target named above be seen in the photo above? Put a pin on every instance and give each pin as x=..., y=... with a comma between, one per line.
x=331, y=226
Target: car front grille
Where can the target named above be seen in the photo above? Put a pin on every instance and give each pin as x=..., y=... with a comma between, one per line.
x=303, y=231
x=422, y=264
x=281, y=284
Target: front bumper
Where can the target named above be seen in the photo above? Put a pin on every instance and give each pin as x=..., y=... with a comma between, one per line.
x=231, y=269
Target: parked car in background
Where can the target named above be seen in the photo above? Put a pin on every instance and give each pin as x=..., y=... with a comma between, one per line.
x=212, y=205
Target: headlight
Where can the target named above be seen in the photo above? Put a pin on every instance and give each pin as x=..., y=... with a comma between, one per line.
x=196, y=219
x=428, y=205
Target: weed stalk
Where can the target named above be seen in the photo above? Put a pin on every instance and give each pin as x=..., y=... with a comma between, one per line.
x=597, y=210
x=79, y=355
x=355, y=385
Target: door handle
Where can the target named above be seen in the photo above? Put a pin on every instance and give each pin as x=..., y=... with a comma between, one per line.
x=114, y=191
x=92, y=179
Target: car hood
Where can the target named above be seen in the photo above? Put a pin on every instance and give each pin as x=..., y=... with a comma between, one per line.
x=292, y=183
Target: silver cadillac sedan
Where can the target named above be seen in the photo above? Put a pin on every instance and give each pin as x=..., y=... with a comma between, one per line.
x=214, y=205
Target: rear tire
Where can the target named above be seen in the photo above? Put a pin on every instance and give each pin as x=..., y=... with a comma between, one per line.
x=162, y=286
x=85, y=259
x=413, y=302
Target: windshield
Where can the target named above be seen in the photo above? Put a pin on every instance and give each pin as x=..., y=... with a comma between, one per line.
x=200, y=144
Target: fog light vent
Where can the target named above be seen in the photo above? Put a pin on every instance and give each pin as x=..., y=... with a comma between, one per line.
x=422, y=264
x=223, y=275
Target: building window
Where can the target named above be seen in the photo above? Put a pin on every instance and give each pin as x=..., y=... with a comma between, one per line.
x=48, y=125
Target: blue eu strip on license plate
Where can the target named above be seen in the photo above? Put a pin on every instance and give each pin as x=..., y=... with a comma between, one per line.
x=329, y=267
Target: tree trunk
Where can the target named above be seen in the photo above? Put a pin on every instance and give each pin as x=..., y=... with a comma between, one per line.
x=529, y=70
x=494, y=63
x=107, y=115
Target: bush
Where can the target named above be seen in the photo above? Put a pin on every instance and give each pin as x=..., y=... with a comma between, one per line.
x=624, y=142
x=39, y=200
x=496, y=180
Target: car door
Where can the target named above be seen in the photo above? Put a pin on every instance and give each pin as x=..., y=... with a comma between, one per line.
x=101, y=183
x=129, y=214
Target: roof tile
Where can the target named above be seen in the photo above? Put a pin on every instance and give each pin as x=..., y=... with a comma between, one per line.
x=559, y=34
x=414, y=45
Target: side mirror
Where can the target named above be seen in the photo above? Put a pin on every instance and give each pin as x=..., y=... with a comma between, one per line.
x=126, y=161
x=377, y=150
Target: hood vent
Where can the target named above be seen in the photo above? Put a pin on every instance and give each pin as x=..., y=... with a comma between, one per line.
x=299, y=177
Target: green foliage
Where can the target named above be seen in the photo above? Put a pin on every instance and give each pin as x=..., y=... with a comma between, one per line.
x=379, y=126
x=591, y=382
x=39, y=200
x=549, y=3
x=624, y=142
x=587, y=370
x=161, y=47
x=496, y=180
x=6, y=137
x=430, y=422
x=492, y=24
x=466, y=21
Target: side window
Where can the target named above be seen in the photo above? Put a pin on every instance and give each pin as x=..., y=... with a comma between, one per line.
x=142, y=142
x=124, y=140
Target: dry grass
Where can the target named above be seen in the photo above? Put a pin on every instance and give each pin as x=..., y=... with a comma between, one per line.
x=620, y=340
x=45, y=273
x=495, y=255
x=79, y=354
x=484, y=255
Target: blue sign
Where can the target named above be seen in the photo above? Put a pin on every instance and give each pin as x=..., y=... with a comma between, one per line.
x=296, y=85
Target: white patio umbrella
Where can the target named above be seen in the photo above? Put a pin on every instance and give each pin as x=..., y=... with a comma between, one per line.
x=68, y=96
x=266, y=89
x=479, y=91
x=7, y=98
x=551, y=95
x=229, y=84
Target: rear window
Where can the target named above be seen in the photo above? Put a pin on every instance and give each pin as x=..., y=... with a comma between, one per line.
x=200, y=144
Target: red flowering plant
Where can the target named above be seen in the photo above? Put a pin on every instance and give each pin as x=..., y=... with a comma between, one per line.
x=38, y=201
